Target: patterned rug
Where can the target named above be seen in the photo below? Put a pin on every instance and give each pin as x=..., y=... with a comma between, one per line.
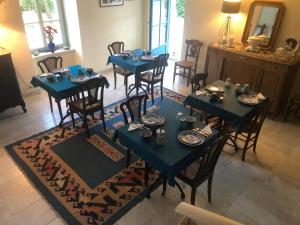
x=85, y=180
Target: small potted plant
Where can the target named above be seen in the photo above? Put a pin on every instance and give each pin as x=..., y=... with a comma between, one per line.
x=50, y=31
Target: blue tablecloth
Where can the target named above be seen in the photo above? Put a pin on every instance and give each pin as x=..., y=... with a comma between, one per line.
x=230, y=110
x=128, y=63
x=170, y=158
x=60, y=88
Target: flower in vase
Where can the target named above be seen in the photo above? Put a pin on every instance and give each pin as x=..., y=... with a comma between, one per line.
x=50, y=31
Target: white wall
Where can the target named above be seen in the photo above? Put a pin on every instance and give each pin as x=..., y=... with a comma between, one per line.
x=203, y=20
x=14, y=40
x=102, y=26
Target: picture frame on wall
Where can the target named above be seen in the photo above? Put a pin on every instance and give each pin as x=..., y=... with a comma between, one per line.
x=108, y=3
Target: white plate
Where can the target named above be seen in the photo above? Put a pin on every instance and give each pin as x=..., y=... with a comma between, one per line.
x=248, y=99
x=153, y=119
x=190, y=137
x=215, y=89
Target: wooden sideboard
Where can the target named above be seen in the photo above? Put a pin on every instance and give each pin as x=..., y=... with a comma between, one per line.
x=10, y=94
x=264, y=72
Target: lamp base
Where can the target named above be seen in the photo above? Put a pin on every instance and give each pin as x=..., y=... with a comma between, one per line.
x=225, y=37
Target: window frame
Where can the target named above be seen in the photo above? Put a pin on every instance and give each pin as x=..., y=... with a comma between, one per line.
x=62, y=21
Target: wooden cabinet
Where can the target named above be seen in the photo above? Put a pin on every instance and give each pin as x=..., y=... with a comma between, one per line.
x=264, y=73
x=10, y=94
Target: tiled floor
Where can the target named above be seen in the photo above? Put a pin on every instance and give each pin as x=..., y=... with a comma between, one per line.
x=263, y=190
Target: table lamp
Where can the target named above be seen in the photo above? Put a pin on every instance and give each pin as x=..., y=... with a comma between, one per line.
x=225, y=34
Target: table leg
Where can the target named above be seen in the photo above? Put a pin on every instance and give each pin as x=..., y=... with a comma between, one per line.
x=59, y=108
x=147, y=169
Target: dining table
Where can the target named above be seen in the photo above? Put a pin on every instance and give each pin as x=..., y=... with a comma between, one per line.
x=171, y=157
x=229, y=109
x=62, y=87
x=135, y=64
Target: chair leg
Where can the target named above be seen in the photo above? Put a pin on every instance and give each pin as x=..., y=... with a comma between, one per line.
x=128, y=157
x=180, y=189
x=86, y=126
x=245, y=147
x=193, y=195
x=50, y=101
x=115, y=79
x=126, y=84
x=152, y=93
x=164, y=186
x=103, y=120
x=209, y=185
x=189, y=77
x=174, y=74
x=161, y=91
x=72, y=116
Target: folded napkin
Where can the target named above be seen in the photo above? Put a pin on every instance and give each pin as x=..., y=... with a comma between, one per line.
x=201, y=92
x=260, y=97
x=207, y=130
x=134, y=126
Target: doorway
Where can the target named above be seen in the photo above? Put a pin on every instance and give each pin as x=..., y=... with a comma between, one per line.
x=166, y=27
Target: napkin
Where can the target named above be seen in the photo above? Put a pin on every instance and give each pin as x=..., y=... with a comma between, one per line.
x=134, y=126
x=260, y=97
x=200, y=92
x=207, y=130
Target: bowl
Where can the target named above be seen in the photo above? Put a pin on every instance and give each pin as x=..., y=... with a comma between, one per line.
x=238, y=91
x=146, y=134
x=190, y=119
x=50, y=77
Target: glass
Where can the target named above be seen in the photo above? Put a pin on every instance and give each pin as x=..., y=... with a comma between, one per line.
x=155, y=12
x=160, y=133
x=35, y=41
x=49, y=10
x=163, y=31
x=164, y=11
x=155, y=37
x=29, y=11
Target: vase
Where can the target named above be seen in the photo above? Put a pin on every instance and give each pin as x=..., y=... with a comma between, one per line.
x=51, y=47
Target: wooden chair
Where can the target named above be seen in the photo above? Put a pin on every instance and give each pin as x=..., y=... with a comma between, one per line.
x=157, y=75
x=47, y=66
x=190, y=61
x=91, y=100
x=134, y=106
x=249, y=135
x=117, y=48
x=202, y=169
x=293, y=107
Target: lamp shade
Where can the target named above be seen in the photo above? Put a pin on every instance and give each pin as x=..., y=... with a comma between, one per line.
x=231, y=6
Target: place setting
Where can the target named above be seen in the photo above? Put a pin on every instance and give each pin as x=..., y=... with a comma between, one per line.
x=194, y=136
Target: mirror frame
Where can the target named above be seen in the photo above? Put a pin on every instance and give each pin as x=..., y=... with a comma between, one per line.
x=281, y=10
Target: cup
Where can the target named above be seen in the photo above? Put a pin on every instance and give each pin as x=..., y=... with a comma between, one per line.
x=160, y=133
x=246, y=88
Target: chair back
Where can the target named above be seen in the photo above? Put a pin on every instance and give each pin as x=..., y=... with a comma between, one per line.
x=134, y=107
x=116, y=47
x=49, y=64
x=193, y=50
x=210, y=159
x=198, y=81
x=258, y=120
x=160, y=63
x=92, y=91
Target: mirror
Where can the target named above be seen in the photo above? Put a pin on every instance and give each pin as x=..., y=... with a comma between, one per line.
x=263, y=23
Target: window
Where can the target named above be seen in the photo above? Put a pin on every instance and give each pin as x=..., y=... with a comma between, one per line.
x=40, y=13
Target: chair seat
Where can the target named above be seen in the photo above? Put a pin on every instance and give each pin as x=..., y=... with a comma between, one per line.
x=185, y=64
x=191, y=170
x=147, y=77
x=79, y=106
x=122, y=71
